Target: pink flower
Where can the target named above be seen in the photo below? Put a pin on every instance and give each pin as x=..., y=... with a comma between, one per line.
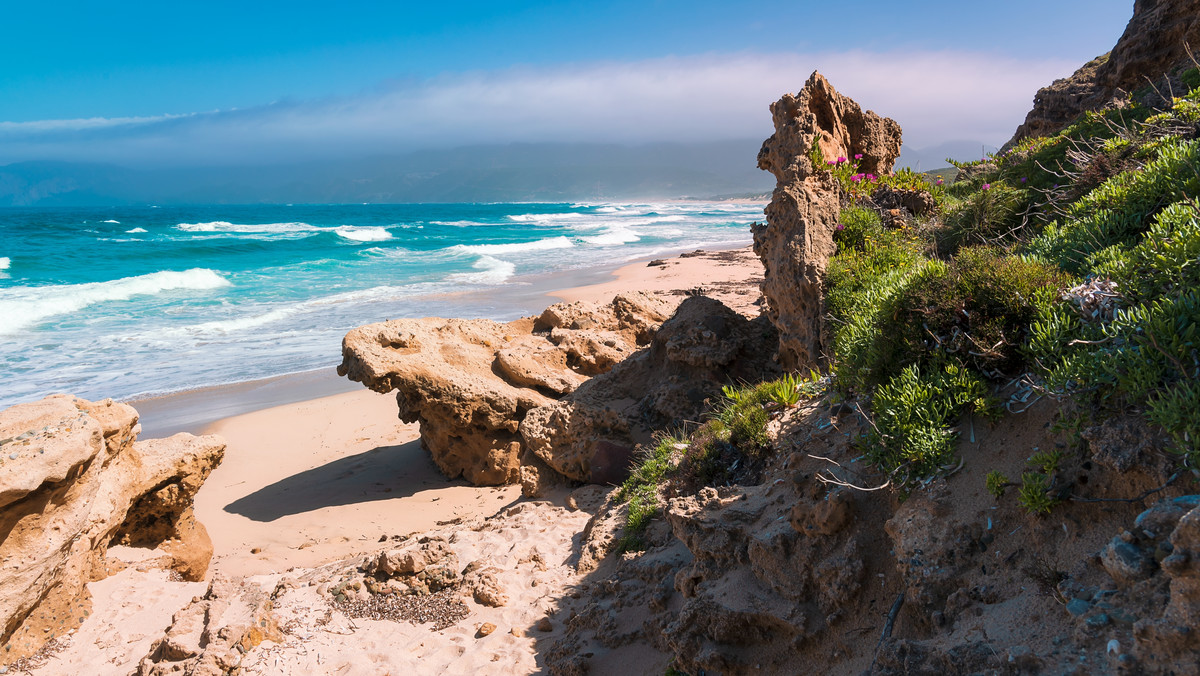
x=839, y=226
x=858, y=156
x=872, y=177
x=939, y=181
x=987, y=186
x=856, y=178
x=841, y=160
x=1023, y=179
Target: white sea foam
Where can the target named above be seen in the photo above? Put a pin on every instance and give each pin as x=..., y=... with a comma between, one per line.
x=225, y=226
x=5, y=262
x=111, y=221
x=608, y=210
x=491, y=271
x=516, y=247
x=25, y=307
x=543, y=218
x=363, y=234
x=228, y=326
x=135, y=231
x=458, y=224
x=613, y=237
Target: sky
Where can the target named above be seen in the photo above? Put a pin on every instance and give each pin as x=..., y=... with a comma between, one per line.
x=258, y=82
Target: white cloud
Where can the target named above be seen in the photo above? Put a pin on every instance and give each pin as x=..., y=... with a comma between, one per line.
x=936, y=97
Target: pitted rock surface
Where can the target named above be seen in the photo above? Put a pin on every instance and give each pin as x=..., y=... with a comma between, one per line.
x=796, y=242
x=73, y=480
x=470, y=383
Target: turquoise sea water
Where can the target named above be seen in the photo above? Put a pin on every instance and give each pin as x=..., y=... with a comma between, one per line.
x=130, y=301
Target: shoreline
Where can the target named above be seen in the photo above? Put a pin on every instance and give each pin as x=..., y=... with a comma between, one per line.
x=197, y=409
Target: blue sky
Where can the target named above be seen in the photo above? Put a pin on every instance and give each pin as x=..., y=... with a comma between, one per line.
x=197, y=81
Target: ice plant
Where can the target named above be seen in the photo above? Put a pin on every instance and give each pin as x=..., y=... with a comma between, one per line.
x=987, y=186
x=858, y=156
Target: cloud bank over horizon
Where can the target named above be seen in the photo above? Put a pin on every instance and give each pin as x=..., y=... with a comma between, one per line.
x=935, y=96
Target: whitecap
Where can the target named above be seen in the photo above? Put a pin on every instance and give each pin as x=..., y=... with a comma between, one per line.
x=542, y=218
x=24, y=307
x=613, y=237
x=5, y=262
x=560, y=242
x=226, y=226
x=492, y=271
x=363, y=234
x=135, y=231
x=111, y=221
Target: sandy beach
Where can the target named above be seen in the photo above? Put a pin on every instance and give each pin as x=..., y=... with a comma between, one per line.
x=315, y=482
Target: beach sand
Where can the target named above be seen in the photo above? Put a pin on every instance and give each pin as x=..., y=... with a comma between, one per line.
x=307, y=483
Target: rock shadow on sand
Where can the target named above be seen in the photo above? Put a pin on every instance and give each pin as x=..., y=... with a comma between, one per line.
x=382, y=473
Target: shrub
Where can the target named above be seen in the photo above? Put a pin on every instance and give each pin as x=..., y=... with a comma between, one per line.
x=1119, y=211
x=992, y=213
x=913, y=412
x=996, y=483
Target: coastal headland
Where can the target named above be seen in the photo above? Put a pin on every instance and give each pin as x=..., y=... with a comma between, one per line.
x=927, y=423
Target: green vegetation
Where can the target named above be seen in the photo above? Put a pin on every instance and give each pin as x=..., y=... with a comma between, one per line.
x=642, y=486
x=730, y=446
x=996, y=483
x=1072, y=260
x=1076, y=257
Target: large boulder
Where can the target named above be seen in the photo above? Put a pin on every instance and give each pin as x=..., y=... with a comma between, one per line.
x=796, y=242
x=590, y=434
x=73, y=480
x=470, y=382
x=1154, y=45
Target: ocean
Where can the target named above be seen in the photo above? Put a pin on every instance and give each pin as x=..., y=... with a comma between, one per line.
x=129, y=302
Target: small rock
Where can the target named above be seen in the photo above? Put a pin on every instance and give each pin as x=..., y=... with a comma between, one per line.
x=1078, y=607
x=1097, y=621
x=544, y=624
x=256, y=550
x=486, y=628
x=1125, y=562
x=517, y=631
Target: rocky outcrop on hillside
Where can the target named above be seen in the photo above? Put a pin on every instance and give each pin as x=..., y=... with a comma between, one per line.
x=590, y=434
x=811, y=567
x=1155, y=44
x=796, y=241
x=73, y=481
x=470, y=382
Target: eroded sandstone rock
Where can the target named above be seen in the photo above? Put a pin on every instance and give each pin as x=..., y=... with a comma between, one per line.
x=209, y=636
x=470, y=383
x=73, y=480
x=796, y=241
x=590, y=434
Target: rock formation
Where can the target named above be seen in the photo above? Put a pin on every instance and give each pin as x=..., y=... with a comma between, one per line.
x=470, y=383
x=73, y=480
x=210, y=635
x=796, y=241
x=1154, y=45
x=590, y=434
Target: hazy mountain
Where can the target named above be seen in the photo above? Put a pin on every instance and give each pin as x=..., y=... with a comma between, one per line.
x=518, y=172
x=934, y=157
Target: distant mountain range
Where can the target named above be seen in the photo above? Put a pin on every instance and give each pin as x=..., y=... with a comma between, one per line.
x=509, y=173
x=548, y=172
x=934, y=157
